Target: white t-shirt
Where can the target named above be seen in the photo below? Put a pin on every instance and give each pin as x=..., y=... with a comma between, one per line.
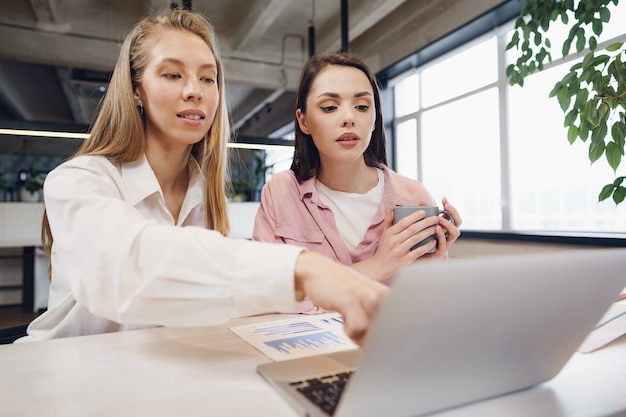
x=353, y=212
x=119, y=262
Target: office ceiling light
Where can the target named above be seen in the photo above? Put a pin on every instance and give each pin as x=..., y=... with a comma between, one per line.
x=239, y=145
x=44, y=133
x=77, y=135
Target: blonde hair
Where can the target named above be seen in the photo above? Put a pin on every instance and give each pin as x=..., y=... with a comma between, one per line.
x=118, y=132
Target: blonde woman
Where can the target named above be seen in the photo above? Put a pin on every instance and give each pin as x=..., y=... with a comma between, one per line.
x=126, y=218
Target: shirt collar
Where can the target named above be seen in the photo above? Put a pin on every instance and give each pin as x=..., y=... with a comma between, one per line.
x=195, y=190
x=140, y=181
x=308, y=188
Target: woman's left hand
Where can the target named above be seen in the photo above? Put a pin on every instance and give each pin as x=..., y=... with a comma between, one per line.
x=448, y=232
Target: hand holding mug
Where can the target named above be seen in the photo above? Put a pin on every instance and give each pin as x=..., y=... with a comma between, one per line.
x=401, y=212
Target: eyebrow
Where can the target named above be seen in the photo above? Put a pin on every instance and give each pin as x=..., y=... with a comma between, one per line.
x=335, y=95
x=179, y=62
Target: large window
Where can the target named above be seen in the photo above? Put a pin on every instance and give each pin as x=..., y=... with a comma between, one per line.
x=500, y=154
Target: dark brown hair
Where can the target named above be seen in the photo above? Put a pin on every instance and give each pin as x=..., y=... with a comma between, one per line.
x=306, y=157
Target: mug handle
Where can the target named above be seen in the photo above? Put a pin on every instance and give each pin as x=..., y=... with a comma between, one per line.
x=448, y=215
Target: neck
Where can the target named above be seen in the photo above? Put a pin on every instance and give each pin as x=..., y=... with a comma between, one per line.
x=170, y=169
x=169, y=166
x=348, y=177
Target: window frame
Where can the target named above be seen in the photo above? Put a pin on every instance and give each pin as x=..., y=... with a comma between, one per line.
x=496, y=22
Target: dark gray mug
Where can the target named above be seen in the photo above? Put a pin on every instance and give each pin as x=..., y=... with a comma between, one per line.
x=400, y=212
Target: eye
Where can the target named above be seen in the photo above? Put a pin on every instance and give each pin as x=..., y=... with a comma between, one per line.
x=208, y=80
x=328, y=109
x=362, y=107
x=171, y=76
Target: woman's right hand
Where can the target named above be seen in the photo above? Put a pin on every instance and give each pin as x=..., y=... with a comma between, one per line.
x=340, y=288
x=395, y=243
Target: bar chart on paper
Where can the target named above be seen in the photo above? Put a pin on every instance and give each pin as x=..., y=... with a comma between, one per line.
x=297, y=337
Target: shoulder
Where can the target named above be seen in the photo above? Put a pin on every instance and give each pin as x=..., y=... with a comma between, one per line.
x=404, y=188
x=82, y=171
x=283, y=183
x=401, y=181
x=286, y=177
x=283, y=194
x=87, y=162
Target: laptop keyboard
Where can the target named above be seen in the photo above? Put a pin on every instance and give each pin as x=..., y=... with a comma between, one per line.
x=324, y=391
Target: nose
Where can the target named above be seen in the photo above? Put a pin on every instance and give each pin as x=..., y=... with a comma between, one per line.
x=348, y=118
x=192, y=90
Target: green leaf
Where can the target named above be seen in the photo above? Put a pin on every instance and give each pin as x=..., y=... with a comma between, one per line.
x=581, y=40
x=619, y=194
x=606, y=192
x=596, y=149
x=510, y=69
x=581, y=98
x=572, y=134
x=587, y=61
x=600, y=60
x=514, y=41
x=596, y=26
x=603, y=113
x=570, y=117
x=583, y=129
x=564, y=100
x=613, y=155
x=576, y=66
x=591, y=113
x=614, y=46
x=618, y=133
x=570, y=78
x=599, y=133
x=619, y=72
x=605, y=15
x=593, y=43
x=566, y=47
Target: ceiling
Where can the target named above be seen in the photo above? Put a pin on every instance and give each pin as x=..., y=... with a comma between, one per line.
x=56, y=55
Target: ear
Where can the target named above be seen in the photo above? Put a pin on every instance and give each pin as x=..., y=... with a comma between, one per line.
x=301, y=117
x=136, y=96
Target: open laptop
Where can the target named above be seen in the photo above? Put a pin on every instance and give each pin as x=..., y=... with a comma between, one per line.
x=460, y=331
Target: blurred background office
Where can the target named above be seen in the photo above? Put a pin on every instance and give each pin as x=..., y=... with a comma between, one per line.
x=500, y=153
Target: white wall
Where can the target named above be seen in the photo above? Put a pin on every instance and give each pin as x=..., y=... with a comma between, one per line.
x=241, y=217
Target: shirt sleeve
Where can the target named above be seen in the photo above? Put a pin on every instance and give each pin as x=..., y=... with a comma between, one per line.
x=128, y=268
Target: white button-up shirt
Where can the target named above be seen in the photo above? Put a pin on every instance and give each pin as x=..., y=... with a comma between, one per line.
x=119, y=262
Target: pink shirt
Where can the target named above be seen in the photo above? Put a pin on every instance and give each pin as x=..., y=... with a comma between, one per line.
x=294, y=213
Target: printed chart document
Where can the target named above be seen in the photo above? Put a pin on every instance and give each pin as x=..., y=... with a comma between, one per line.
x=297, y=337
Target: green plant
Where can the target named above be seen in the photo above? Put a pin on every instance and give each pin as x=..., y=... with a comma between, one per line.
x=592, y=94
x=33, y=181
x=250, y=178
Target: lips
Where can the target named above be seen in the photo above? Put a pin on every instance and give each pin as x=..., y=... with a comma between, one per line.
x=192, y=114
x=347, y=137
